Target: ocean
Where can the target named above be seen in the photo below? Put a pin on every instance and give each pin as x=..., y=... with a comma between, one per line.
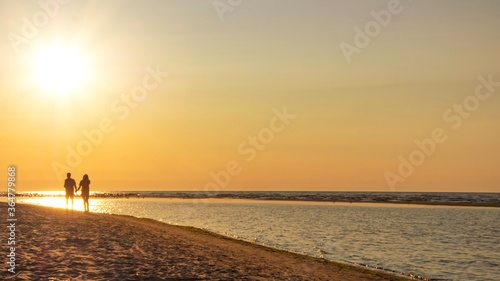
x=431, y=242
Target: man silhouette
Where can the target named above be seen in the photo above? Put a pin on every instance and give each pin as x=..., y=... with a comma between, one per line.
x=70, y=186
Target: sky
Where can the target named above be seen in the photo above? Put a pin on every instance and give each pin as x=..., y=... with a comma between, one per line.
x=251, y=95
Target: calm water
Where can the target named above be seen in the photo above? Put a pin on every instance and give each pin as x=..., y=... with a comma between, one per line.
x=446, y=243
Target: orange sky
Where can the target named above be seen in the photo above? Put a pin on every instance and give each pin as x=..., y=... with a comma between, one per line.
x=175, y=97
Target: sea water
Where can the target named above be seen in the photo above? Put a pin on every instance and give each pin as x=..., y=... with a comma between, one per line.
x=444, y=243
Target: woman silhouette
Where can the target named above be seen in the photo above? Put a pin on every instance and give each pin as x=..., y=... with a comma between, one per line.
x=85, y=185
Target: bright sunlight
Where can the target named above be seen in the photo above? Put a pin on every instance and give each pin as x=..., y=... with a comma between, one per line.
x=60, y=70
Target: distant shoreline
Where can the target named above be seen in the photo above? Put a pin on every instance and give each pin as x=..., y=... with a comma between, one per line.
x=451, y=204
x=134, y=196
x=427, y=203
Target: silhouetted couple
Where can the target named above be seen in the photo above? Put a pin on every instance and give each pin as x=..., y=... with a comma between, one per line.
x=71, y=189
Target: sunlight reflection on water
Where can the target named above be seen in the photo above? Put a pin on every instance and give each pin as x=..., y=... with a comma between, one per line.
x=56, y=202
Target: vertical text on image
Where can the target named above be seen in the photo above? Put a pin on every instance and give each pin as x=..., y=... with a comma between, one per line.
x=11, y=220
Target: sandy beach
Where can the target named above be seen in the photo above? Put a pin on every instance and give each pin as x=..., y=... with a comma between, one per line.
x=57, y=244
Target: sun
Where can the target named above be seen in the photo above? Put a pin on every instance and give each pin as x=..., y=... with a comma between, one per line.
x=60, y=70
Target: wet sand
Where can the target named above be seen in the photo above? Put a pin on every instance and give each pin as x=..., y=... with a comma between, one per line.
x=57, y=244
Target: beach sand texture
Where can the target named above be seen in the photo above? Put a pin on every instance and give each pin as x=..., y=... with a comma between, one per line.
x=55, y=244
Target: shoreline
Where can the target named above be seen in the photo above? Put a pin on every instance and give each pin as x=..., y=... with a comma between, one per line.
x=119, y=238
x=364, y=268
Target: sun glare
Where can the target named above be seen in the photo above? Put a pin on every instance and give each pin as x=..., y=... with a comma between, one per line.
x=55, y=202
x=60, y=70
